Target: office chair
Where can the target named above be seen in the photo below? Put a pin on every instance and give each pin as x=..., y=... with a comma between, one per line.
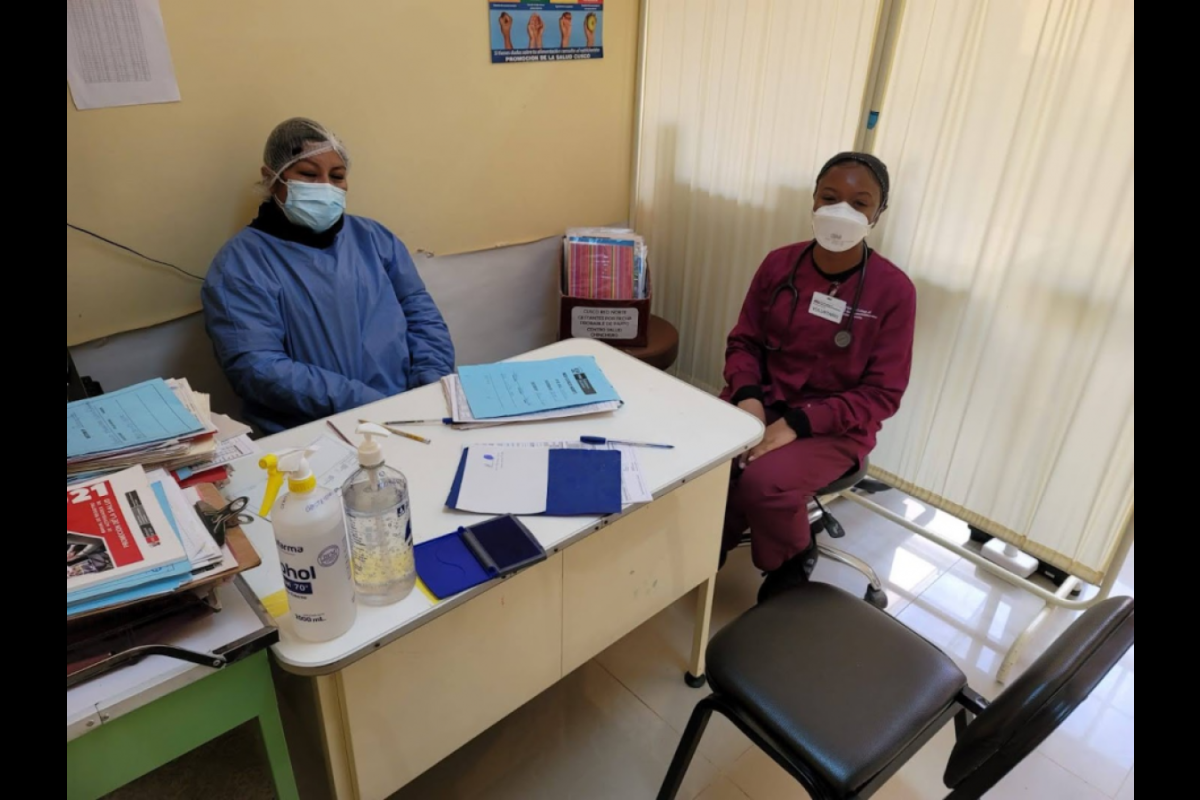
x=821, y=521
x=842, y=696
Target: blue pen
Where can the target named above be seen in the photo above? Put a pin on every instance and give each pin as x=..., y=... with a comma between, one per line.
x=402, y=423
x=600, y=440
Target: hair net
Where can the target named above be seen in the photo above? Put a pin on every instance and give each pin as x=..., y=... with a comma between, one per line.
x=296, y=140
x=877, y=168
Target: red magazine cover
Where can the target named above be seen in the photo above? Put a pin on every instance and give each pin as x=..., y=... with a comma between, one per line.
x=116, y=529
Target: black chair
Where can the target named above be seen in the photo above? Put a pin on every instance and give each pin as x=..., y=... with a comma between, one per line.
x=822, y=521
x=842, y=696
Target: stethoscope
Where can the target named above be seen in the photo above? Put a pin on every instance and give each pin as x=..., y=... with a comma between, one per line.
x=845, y=336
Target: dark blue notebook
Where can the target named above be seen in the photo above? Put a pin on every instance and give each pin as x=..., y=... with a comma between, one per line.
x=473, y=556
x=583, y=483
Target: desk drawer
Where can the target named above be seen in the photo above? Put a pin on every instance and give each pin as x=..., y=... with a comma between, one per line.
x=621, y=577
x=418, y=700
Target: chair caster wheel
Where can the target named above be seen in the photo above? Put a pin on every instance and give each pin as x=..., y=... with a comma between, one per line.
x=878, y=599
x=696, y=683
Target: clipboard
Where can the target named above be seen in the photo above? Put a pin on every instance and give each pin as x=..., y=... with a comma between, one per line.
x=107, y=644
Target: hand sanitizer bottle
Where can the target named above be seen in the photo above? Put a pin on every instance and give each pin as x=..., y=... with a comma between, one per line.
x=310, y=532
x=379, y=520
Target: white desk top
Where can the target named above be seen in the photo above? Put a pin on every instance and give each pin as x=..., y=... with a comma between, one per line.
x=124, y=691
x=707, y=433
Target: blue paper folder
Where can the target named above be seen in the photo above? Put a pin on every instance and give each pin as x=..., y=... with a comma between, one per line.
x=583, y=483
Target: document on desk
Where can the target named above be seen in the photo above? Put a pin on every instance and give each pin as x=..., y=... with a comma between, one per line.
x=635, y=489
x=135, y=417
x=528, y=481
x=516, y=388
x=511, y=479
x=460, y=410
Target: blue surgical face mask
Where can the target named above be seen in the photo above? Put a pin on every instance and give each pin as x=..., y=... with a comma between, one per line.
x=316, y=206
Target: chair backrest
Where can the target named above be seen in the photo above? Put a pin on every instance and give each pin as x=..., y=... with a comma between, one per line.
x=1042, y=699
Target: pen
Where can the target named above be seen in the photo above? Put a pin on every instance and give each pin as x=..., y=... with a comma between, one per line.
x=443, y=421
x=397, y=432
x=602, y=440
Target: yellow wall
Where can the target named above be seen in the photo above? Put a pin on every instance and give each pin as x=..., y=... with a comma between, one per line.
x=451, y=152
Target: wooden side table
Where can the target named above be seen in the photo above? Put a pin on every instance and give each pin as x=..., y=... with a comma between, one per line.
x=662, y=351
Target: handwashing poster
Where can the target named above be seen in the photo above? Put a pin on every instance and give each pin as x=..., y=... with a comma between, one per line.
x=530, y=31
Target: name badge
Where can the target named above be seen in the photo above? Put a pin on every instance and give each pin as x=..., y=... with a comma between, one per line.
x=828, y=308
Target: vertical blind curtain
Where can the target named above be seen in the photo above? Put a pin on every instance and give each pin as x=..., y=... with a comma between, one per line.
x=742, y=103
x=1010, y=128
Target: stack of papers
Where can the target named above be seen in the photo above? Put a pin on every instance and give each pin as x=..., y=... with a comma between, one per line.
x=529, y=391
x=119, y=540
x=605, y=264
x=134, y=536
x=233, y=442
x=154, y=424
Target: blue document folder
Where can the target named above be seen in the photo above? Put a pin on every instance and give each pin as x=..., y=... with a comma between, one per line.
x=582, y=483
x=517, y=388
x=135, y=417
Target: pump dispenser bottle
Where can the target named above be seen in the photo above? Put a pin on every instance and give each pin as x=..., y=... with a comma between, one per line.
x=379, y=520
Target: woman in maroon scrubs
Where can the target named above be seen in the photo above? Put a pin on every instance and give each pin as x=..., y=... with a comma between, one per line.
x=822, y=354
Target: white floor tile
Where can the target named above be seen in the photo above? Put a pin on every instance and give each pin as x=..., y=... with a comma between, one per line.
x=586, y=739
x=1039, y=778
x=652, y=662
x=723, y=789
x=762, y=779
x=1097, y=742
x=907, y=564
x=1127, y=791
x=975, y=618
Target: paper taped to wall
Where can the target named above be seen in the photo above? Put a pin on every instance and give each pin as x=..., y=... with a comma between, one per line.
x=117, y=54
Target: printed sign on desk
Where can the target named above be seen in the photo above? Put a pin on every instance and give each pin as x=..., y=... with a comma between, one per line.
x=524, y=31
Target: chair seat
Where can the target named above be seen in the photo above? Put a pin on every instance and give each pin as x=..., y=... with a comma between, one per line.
x=838, y=682
x=848, y=481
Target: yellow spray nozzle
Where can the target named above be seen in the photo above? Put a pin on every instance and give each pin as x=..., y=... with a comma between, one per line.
x=274, y=483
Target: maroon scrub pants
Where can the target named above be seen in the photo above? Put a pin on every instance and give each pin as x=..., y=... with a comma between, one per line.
x=770, y=498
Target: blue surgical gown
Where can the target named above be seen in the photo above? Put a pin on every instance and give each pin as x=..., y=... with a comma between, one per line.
x=304, y=333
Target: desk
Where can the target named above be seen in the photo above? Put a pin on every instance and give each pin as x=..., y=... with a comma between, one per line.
x=126, y=724
x=413, y=683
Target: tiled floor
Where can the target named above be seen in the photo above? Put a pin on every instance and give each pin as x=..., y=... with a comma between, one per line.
x=609, y=731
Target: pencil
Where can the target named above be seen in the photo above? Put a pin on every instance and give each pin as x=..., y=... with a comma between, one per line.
x=402, y=434
x=340, y=435
x=443, y=421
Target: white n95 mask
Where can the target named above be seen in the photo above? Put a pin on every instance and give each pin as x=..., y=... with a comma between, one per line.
x=840, y=228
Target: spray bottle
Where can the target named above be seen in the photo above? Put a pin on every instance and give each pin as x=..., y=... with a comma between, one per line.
x=310, y=532
x=380, y=525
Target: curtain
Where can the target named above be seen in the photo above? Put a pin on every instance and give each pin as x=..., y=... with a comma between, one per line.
x=1009, y=125
x=742, y=103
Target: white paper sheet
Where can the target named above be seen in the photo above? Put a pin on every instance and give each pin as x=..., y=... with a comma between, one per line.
x=505, y=480
x=201, y=549
x=118, y=55
x=635, y=489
